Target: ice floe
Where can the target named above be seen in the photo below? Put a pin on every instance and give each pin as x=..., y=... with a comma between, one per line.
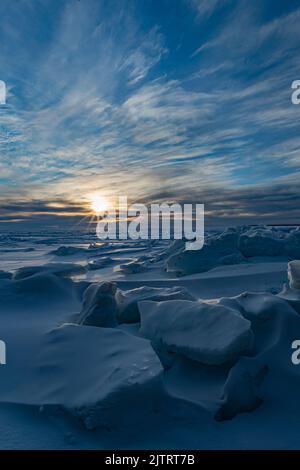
x=58, y=269
x=235, y=246
x=210, y=334
x=128, y=311
x=99, y=305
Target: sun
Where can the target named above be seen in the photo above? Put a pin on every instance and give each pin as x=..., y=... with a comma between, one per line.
x=98, y=203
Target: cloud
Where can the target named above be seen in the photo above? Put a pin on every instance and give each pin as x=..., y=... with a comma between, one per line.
x=260, y=204
x=205, y=8
x=103, y=98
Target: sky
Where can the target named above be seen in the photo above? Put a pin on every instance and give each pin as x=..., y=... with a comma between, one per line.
x=159, y=100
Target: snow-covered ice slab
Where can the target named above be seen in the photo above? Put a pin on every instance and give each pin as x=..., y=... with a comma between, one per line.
x=99, y=305
x=235, y=246
x=128, y=311
x=58, y=269
x=256, y=307
x=291, y=292
x=94, y=373
x=214, y=253
x=99, y=263
x=260, y=242
x=292, y=244
x=294, y=274
x=133, y=267
x=208, y=333
x=105, y=305
x=67, y=251
x=241, y=391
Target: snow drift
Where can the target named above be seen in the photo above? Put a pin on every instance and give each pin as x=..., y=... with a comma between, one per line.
x=58, y=269
x=210, y=334
x=149, y=363
x=93, y=373
x=234, y=246
x=106, y=305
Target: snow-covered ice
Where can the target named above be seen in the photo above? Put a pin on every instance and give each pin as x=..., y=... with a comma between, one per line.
x=210, y=334
x=128, y=311
x=99, y=305
x=59, y=269
x=123, y=367
x=235, y=246
x=294, y=274
x=143, y=357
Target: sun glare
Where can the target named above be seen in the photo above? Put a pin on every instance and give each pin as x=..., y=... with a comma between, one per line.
x=98, y=203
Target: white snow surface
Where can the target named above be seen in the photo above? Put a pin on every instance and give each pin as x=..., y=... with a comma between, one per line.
x=98, y=369
x=235, y=246
x=208, y=333
x=214, y=371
